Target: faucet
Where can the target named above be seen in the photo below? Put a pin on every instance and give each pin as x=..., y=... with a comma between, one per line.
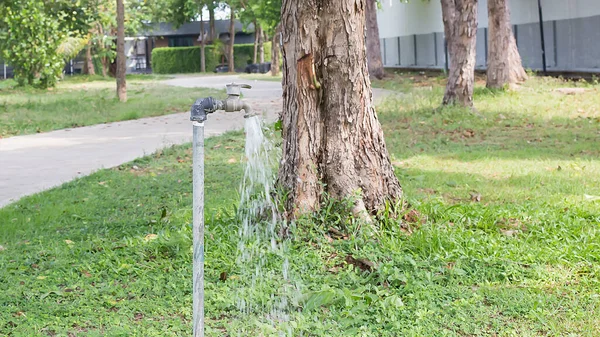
x=203, y=106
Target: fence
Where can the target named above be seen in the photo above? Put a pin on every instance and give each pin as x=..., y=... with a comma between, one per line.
x=571, y=46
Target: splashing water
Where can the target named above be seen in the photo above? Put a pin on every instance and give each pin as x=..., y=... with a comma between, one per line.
x=262, y=260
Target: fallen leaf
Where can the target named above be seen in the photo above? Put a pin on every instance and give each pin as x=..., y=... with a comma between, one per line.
x=41, y=277
x=150, y=237
x=362, y=264
x=232, y=161
x=591, y=197
x=328, y=238
x=69, y=242
x=86, y=273
x=475, y=196
x=336, y=233
x=2, y=248
x=509, y=232
x=570, y=91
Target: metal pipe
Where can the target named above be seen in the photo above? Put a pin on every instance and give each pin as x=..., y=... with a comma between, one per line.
x=542, y=36
x=199, y=112
x=198, y=228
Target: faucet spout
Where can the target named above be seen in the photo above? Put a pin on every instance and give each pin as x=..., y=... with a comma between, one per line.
x=248, y=112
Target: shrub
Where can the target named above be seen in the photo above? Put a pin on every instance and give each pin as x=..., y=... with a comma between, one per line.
x=30, y=41
x=173, y=60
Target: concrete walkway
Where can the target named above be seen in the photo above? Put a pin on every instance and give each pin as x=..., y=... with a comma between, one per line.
x=33, y=163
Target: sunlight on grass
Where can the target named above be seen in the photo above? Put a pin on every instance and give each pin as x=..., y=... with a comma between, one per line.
x=507, y=244
x=80, y=102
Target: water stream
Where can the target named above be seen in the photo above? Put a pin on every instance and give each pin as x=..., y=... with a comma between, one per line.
x=265, y=294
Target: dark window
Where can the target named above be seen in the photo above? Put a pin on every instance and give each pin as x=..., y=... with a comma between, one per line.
x=181, y=42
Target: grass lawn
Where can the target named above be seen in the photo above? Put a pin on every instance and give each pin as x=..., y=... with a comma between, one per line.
x=262, y=77
x=81, y=100
x=508, y=245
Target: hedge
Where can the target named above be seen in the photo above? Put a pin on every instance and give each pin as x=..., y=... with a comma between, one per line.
x=174, y=60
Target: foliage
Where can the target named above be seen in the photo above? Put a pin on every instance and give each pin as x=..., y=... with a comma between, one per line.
x=30, y=41
x=109, y=254
x=30, y=110
x=70, y=47
x=267, y=13
x=175, y=60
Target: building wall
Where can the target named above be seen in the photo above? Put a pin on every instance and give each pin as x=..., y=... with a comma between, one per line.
x=412, y=34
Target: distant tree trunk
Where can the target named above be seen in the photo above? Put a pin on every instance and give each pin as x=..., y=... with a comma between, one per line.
x=261, y=46
x=88, y=66
x=104, y=62
x=275, y=51
x=460, y=27
x=121, y=65
x=211, y=22
x=231, y=41
x=332, y=139
x=504, y=62
x=256, y=41
x=373, y=47
x=202, y=45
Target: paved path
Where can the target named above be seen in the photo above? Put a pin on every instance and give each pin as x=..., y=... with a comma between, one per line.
x=33, y=163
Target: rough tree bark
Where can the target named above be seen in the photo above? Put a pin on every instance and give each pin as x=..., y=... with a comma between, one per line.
x=275, y=40
x=88, y=66
x=333, y=141
x=504, y=62
x=460, y=28
x=373, y=47
x=230, y=56
x=202, y=45
x=121, y=65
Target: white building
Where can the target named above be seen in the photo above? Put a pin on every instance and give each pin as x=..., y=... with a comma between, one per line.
x=412, y=34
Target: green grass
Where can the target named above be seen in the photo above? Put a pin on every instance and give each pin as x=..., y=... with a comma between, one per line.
x=83, y=100
x=521, y=261
x=262, y=77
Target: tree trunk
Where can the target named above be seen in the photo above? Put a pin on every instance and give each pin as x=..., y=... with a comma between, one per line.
x=333, y=141
x=88, y=67
x=460, y=27
x=275, y=52
x=256, y=42
x=211, y=23
x=231, y=41
x=261, y=46
x=504, y=62
x=373, y=47
x=121, y=65
x=202, y=44
x=104, y=61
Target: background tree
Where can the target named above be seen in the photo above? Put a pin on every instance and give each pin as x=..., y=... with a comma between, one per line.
x=230, y=50
x=373, y=47
x=268, y=16
x=333, y=141
x=182, y=11
x=504, y=62
x=460, y=28
x=121, y=57
x=31, y=36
